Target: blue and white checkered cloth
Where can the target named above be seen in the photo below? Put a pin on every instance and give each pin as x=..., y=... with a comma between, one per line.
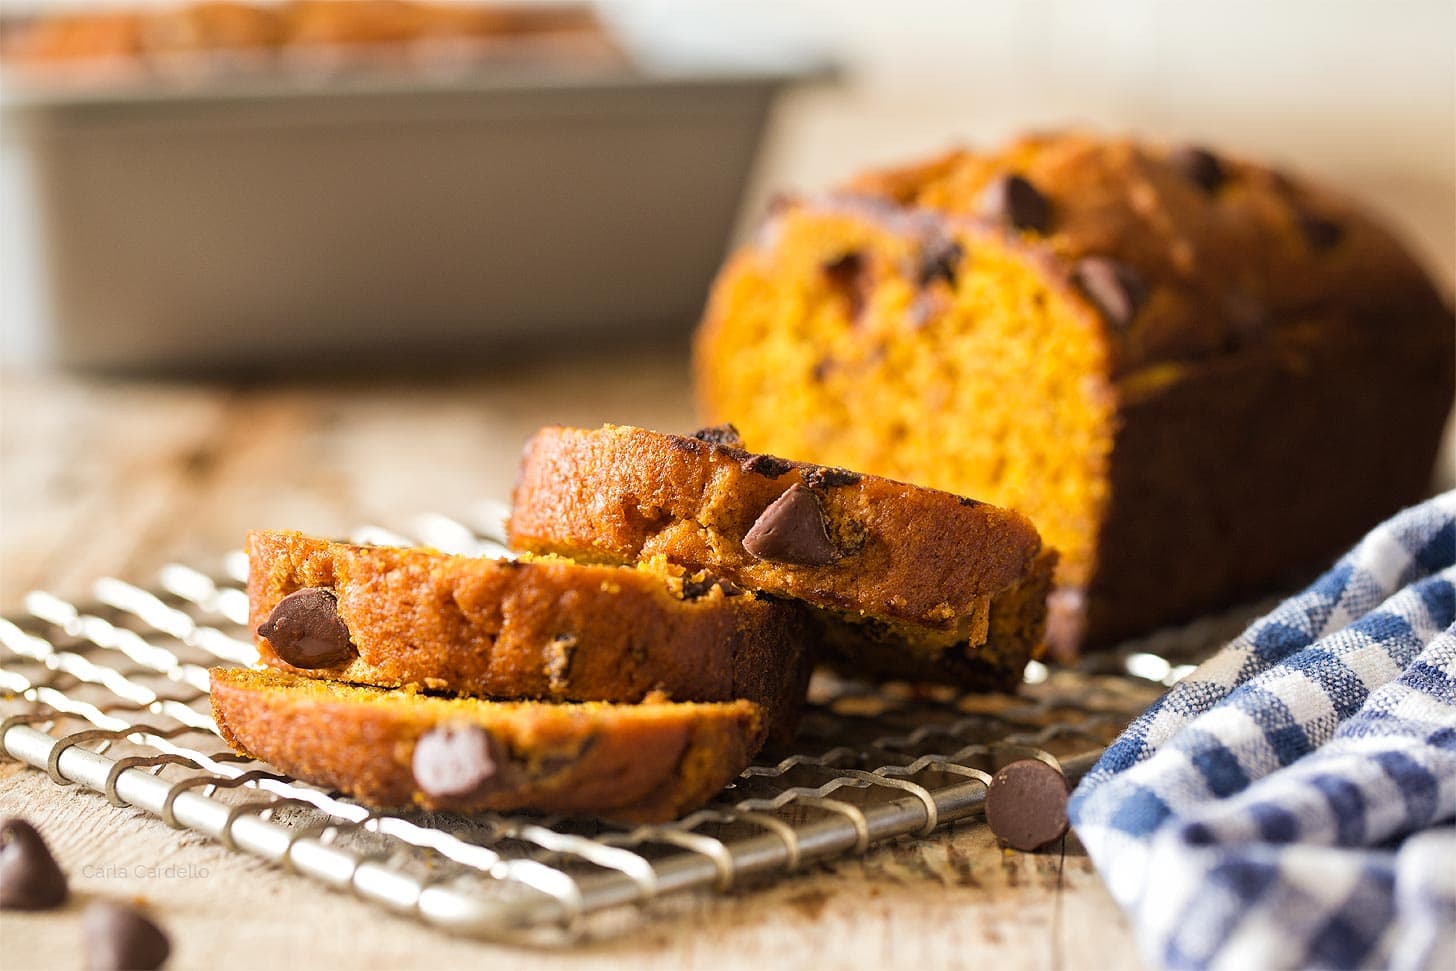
x=1292, y=802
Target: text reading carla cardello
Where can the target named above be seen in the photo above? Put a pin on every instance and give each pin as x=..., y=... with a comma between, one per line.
x=144, y=871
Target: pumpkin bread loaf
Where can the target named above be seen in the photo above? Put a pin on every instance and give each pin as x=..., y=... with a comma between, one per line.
x=1192, y=372
x=906, y=581
x=543, y=628
x=646, y=762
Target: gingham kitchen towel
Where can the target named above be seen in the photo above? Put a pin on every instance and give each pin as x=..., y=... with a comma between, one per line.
x=1292, y=802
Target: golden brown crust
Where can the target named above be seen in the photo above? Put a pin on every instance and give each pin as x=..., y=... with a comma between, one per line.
x=633, y=763
x=1222, y=267
x=1279, y=386
x=906, y=554
x=917, y=575
x=544, y=628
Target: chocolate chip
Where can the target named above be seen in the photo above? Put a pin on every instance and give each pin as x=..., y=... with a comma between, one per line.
x=559, y=655
x=821, y=477
x=938, y=261
x=1115, y=288
x=768, y=466
x=791, y=530
x=849, y=277
x=119, y=938
x=965, y=501
x=305, y=630
x=1027, y=804
x=455, y=763
x=1322, y=233
x=1199, y=166
x=821, y=370
x=719, y=435
x=30, y=878
x=1013, y=200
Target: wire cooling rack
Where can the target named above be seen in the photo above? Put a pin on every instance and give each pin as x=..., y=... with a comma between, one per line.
x=112, y=695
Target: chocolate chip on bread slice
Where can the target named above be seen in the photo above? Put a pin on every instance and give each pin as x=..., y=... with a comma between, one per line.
x=391, y=748
x=535, y=628
x=906, y=581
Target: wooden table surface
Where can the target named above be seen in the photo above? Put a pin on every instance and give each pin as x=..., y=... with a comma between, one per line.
x=109, y=477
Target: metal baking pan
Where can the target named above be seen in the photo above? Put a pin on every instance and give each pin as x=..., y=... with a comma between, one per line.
x=272, y=222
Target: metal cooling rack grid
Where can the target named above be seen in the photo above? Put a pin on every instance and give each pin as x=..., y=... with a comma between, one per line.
x=112, y=696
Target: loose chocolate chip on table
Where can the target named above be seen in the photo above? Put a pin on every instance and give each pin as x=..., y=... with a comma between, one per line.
x=939, y=259
x=768, y=466
x=821, y=477
x=30, y=878
x=1115, y=288
x=1199, y=166
x=1027, y=804
x=719, y=435
x=306, y=631
x=119, y=938
x=1322, y=233
x=1013, y=200
x=791, y=530
x=456, y=763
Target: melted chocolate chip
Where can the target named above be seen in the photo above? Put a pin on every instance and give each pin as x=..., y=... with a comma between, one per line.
x=702, y=584
x=791, y=530
x=1116, y=288
x=455, y=764
x=821, y=370
x=697, y=586
x=1322, y=233
x=768, y=466
x=559, y=655
x=1199, y=166
x=719, y=435
x=119, y=938
x=964, y=501
x=821, y=477
x=849, y=277
x=938, y=261
x=1013, y=200
x=305, y=630
x=30, y=878
x=1027, y=804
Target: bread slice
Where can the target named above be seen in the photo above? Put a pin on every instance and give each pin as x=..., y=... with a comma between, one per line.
x=646, y=762
x=907, y=581
x=543, y=628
